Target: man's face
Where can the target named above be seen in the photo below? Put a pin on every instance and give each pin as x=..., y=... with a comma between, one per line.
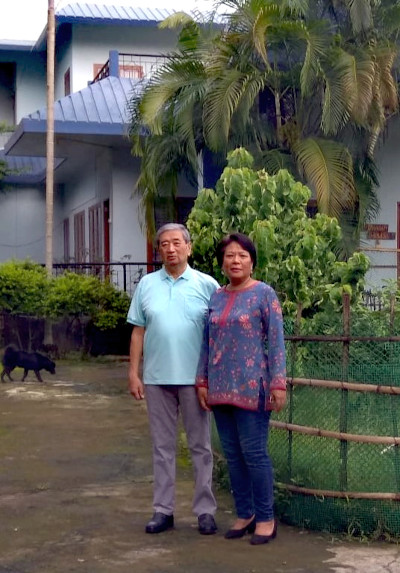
x=173, y=249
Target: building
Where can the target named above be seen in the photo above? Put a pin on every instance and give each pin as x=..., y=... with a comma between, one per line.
x=103, y=54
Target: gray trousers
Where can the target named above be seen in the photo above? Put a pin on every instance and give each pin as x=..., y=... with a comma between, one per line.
x=163, y=406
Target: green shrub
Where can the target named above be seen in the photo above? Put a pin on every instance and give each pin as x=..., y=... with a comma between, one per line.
x=77, y=295
x=296, y=253
x=24, y=288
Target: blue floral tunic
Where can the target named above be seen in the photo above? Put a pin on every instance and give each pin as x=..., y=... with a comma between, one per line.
x=243, y=348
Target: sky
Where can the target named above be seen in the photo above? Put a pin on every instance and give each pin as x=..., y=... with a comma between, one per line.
x=26, y=19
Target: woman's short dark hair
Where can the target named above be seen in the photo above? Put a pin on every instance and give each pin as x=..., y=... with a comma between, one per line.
x=243, y=240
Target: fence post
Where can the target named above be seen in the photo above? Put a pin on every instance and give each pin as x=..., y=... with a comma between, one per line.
x=393, y=401
x=344, y=393
x=124, y=275
x=290, y=397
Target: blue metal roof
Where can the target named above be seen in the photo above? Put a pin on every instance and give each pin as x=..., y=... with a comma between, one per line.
x=103, y=102
x=99, y=13
x=16, y=45
x=25, y=170
x=99, y=109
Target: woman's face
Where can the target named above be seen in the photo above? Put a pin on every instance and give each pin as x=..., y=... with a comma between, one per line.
x=237, y=264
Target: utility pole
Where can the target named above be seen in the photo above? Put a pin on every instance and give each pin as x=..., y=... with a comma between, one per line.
x=50, y=137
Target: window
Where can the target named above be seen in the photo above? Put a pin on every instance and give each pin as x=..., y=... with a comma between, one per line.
x=7, y=94
x=132, y=71
x=79, y=237
x=67, y=82
x=66, y=240
x=95, y=233
x=183, y=207
x=312, y=208
x=97, y=68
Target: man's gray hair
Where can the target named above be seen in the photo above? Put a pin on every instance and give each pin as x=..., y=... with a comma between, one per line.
x=172, y=227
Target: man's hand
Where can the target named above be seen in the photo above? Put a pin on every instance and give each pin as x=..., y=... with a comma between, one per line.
x=277, y=399
x=136, y=386
x=202, y=395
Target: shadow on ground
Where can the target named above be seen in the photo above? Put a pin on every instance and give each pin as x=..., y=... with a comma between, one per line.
x=75, y=492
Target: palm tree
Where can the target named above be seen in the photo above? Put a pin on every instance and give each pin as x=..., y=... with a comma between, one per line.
x=304, y=84
x=166, y=127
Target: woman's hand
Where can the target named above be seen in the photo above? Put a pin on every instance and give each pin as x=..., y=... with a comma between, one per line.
x=277, y=399
x=202, y=395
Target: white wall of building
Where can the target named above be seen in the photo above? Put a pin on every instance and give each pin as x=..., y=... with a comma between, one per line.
x=389, y=194
x=80, y=193
x=58, y=218
x=30, y=86
x=128, y=242
x=92, y=46
x=63, y=63
x=22, y=232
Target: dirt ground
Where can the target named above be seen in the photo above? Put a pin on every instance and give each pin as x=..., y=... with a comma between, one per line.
x=76, y=488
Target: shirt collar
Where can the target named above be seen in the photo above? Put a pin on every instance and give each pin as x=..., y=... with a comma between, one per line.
x=185, y=275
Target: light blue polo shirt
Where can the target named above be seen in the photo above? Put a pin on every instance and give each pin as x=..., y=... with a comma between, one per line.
x=173, y=313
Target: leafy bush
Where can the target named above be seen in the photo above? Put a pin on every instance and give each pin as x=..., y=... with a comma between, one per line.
x=296, y=253
x=25, y=288
x=78, y=295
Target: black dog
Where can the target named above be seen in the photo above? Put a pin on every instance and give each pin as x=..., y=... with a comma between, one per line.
x=26, y=360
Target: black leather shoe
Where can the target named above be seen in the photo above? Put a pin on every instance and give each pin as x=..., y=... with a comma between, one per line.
x=160, y=522
x=238, y=533
x=260, y=539
x=207, y=525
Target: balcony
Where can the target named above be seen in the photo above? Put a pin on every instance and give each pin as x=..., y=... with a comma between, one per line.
x=134, y=66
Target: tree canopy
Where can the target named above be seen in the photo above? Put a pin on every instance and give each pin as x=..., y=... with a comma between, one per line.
x=296, y=253
x=305, y=85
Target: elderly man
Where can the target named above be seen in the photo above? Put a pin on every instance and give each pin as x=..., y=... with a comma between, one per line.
x=168, y=312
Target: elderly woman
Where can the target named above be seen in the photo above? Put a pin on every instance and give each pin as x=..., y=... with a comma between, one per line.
x=241, y=377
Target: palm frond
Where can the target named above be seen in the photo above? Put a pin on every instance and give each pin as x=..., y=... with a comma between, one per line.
x=348, y=89
x=274, y=160
x=265, y=18
x=315, y=37
x=174, y=77
x=176, y=20
x=360, y=15
x=385, y=59
x=297, y=8
x=219, y=105
x=254, y=86
x=389, y=21
x=328, y=169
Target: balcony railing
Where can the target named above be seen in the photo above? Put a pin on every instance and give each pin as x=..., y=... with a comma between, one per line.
x=134, y=66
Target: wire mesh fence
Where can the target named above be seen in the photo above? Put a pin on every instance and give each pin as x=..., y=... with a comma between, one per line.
x=335, y=447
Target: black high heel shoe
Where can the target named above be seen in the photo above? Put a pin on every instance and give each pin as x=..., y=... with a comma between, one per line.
x=238, y=533
x=257, y=539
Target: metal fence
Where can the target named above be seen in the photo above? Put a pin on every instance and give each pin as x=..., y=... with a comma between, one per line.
x=123, y=275
x=126, y=275
x=373, y=300
x=336, y=444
